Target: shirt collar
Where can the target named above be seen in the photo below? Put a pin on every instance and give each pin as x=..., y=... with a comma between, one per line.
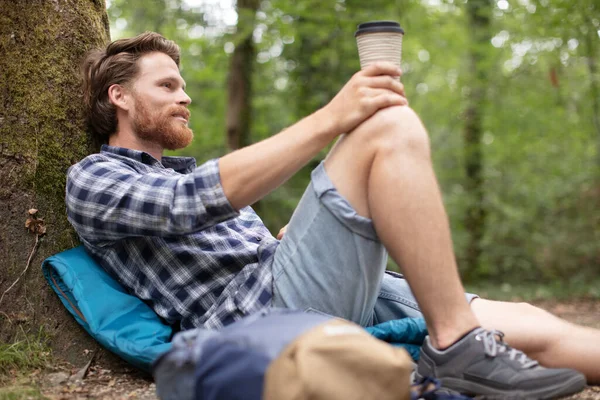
x=179, y=164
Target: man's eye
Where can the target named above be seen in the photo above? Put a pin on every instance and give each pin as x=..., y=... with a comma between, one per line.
x=166, y=84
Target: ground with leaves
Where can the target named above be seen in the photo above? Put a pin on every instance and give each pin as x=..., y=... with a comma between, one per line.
x=95, y=381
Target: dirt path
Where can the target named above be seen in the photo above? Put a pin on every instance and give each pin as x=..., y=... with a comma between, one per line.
x=126, y=383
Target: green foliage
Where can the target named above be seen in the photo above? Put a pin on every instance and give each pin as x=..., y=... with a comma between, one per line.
x=27, y=352
x=540, y=142
x=21, y=393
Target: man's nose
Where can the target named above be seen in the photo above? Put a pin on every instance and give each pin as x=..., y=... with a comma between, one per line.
x=184, y=99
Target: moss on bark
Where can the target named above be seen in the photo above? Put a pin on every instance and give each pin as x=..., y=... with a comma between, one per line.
x=41, y=134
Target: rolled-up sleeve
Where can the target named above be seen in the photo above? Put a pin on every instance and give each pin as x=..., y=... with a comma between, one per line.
x=107, y=200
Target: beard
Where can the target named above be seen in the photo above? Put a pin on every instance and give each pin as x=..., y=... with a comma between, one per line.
x=161, y=128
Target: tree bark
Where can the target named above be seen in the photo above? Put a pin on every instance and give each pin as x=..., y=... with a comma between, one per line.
x=41, y=134
x=478, y=12
x=239, y=82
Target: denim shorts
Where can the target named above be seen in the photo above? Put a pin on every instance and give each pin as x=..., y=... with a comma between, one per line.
x=331, y=261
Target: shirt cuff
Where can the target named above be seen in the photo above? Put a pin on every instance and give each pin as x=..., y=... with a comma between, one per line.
x=210, y=191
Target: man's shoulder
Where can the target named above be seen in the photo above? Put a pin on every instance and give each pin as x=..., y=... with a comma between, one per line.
x=94, y=158
x=99, y=160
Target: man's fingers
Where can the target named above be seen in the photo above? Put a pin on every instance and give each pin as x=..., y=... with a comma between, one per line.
x=281, y=232
x=387, y=82
x=369, y=92
x=387, y=100
x=382, y=68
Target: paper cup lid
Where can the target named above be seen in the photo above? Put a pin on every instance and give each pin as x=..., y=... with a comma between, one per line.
x=379, y=26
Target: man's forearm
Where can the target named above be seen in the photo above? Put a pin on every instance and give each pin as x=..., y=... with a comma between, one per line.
x=250, y=173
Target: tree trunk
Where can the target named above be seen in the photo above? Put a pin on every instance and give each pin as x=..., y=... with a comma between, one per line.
x=478, y=12
x=591, y=57
x=239, y=82
x=41, y=134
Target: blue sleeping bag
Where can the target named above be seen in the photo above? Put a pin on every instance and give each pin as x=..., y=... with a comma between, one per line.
x=128, y=327
x=122, y=323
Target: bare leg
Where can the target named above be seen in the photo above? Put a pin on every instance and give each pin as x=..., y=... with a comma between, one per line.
x=383, y=168
x=542, y=336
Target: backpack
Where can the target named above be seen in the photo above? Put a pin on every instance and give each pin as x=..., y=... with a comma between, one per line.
x=282, y=354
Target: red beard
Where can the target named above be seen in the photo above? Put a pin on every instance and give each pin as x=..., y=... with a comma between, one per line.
x=162, y=128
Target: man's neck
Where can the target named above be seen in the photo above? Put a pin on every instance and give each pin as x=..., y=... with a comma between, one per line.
x=134, y=143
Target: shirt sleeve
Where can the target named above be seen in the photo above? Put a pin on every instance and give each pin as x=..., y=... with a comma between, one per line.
x=109, y=201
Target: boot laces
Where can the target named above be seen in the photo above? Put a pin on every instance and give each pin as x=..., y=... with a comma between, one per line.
x=494, y=345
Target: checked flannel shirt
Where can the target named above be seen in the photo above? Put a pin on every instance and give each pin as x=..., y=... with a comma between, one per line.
x=166, y=231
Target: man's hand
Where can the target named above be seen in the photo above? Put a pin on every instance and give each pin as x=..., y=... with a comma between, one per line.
x=281, y=232
x=367, y=91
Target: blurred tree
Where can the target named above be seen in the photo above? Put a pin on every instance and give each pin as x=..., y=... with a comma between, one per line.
x=479, y=15
x=239, y=81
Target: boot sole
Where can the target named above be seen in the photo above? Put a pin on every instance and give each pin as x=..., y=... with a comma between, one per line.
x=569, y=387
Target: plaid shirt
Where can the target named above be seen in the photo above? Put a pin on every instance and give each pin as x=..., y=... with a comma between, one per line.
x=166, y=231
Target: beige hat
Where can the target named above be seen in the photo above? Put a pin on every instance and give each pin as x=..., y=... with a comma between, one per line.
x=339, y=360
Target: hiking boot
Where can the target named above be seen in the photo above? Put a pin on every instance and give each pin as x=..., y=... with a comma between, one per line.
x=481, y=363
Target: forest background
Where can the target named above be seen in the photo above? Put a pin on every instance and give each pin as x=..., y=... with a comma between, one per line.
x=509, y=91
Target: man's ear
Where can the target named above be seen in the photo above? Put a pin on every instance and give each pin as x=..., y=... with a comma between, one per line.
x=119, y=96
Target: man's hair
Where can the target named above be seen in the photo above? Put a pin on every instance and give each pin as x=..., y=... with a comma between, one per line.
x=116, y=64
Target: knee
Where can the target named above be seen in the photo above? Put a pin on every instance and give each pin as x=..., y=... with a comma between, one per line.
x=397, y=130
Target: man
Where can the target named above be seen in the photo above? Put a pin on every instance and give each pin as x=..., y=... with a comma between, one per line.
x=185, y=239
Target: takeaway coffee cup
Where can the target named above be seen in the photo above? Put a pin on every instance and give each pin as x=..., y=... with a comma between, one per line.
x=379, y=41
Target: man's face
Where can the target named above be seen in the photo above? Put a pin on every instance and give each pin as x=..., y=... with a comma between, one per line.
x=160, y=113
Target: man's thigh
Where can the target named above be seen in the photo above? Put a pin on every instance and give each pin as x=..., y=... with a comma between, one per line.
x=330, y=259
